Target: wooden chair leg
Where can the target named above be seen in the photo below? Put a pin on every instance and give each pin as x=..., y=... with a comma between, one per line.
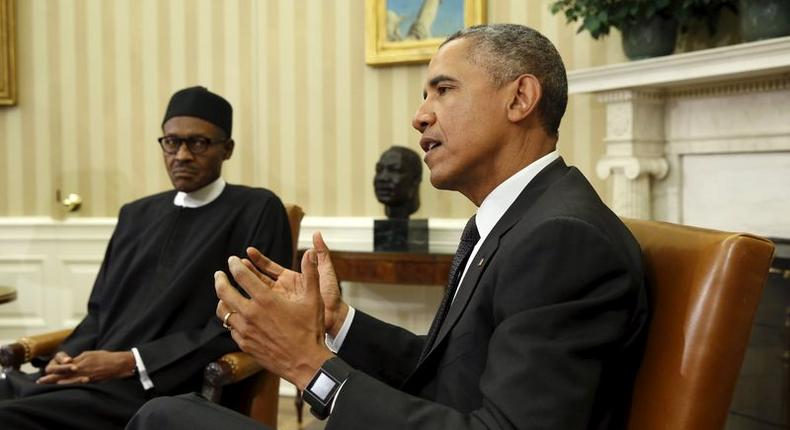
x=299, y=404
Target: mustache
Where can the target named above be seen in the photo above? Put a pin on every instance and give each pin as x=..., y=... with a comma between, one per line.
x=182, y=164
x=183, y=169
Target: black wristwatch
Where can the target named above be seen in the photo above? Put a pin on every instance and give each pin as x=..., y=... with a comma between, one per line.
x=321, y=390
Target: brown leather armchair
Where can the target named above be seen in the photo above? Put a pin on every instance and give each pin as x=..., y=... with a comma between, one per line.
x=250, y=390
x=705, y=286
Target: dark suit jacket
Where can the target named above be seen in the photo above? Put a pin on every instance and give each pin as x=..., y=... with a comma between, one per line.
x=545, y=333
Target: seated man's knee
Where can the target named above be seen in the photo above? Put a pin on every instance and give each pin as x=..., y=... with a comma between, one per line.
x=156, y=412
x=189, y=412
x=14, y=415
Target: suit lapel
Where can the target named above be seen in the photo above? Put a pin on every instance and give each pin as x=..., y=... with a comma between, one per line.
x=482, y=259
x=467, y=288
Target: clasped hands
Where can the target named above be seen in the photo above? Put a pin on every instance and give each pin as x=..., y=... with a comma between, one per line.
x=282, y=324
x=88, y=366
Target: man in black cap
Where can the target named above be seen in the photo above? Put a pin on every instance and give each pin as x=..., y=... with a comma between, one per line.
x=150, y=327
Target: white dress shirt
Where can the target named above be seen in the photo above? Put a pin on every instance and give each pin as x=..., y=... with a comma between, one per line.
x=498, y=201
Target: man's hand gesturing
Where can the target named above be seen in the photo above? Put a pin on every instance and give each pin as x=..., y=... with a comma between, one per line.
x=282, y=324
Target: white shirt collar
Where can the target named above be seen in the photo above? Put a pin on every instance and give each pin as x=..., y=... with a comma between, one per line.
x=200, y=197
x=498, y=201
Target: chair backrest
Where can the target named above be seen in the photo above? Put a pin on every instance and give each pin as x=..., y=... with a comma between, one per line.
x=705, y=286
x=258, y=396
x=295, y=215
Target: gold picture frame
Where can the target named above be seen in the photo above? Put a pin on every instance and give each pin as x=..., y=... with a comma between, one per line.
x=7, y=54
x=387, y=43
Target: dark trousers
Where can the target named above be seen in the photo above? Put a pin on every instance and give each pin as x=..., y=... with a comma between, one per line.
x=27, y=406
x=189, y=412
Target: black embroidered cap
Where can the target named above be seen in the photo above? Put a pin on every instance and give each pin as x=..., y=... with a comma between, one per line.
x=201, y=103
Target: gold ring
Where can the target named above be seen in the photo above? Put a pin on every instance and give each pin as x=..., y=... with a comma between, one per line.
x=225, y=320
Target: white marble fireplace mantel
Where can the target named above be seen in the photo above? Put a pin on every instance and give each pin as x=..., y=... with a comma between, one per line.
x=745, y=60
x=699, y=138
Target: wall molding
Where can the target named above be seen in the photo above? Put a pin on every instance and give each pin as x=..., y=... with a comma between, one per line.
x=744, y=86
x=37, y=229
x=346, y=233
x=356, y=233
x=625, y=95
x=728, y=145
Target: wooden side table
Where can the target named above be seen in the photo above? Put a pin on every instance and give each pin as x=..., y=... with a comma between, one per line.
x=7, y=294
x=392, y=267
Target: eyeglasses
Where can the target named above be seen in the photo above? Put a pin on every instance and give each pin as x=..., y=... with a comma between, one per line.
x=195, y=144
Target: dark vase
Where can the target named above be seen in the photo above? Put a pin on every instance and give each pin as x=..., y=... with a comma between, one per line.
x=651, y=37
x=763, y=19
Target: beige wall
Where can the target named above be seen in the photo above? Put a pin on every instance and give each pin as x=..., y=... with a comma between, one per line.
x=311, y=117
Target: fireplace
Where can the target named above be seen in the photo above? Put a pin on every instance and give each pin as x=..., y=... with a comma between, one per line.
x=701, y=138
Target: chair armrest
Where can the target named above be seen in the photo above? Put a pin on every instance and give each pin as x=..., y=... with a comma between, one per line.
x=12, y=355
x=25, y=348
x=231, y=368
x=237, y=381
x=228, y=369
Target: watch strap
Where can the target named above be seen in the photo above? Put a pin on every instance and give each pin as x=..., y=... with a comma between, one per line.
x=320, y=391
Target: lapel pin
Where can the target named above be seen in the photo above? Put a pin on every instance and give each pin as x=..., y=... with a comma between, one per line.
x=480, y=263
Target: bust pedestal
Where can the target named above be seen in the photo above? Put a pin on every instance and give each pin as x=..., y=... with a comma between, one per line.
x=403, y=235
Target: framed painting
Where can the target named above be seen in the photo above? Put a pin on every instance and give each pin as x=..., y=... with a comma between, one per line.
x=409, y=31
x=7, y=58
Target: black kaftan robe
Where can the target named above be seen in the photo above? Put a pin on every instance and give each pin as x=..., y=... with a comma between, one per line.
x=155, y=292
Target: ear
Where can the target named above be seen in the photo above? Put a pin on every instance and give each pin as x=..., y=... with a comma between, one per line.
x=525, y=97
x=229, y=145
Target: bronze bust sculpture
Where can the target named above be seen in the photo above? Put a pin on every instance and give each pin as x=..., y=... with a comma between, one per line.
x=397, y=186
x=397, y=182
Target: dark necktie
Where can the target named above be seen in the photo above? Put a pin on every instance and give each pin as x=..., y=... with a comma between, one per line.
x=469, y=239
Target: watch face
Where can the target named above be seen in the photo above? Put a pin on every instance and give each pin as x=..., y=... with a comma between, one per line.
x=322, y=387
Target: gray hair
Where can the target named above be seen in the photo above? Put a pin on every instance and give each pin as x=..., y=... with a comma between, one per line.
x=508, y=51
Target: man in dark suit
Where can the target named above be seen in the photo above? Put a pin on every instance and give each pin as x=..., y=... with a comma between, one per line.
x=546, y=310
